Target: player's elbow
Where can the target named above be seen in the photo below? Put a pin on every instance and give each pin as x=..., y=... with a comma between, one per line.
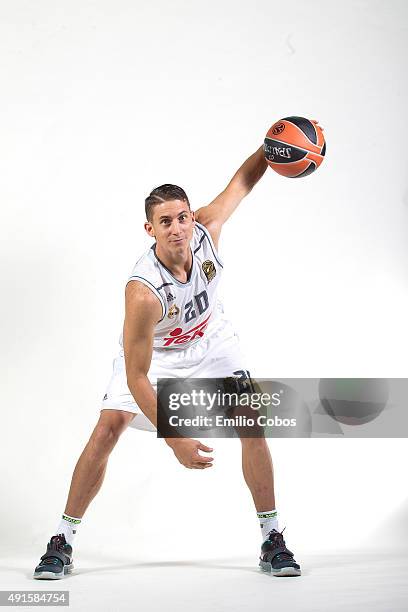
x=135, y=378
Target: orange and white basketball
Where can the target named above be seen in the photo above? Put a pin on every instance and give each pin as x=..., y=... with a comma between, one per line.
x=295, y=146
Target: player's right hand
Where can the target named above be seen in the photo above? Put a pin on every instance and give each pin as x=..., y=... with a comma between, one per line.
x=186, y=451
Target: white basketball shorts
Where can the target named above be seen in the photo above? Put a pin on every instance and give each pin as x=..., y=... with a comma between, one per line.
x=216, y=355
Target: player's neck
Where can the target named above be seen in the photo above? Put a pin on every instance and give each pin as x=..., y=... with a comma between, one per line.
x=178, y=263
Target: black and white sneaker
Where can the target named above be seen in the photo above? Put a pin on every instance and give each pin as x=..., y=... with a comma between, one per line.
x=57, y=561
x=276, y=558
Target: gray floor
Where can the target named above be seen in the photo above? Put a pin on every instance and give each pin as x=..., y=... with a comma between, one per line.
x=345, y=581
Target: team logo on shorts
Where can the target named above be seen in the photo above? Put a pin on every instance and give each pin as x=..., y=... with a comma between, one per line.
x=173, y=312
x=209, y=269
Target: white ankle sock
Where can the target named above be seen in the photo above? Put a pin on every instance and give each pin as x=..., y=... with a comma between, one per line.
x=68, y=526
x=268, y=521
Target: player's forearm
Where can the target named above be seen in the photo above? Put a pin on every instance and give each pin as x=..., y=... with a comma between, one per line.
x=144, y=396
x=250, y=172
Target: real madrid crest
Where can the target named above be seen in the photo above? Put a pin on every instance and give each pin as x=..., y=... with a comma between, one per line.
x=209, y=269
x=173, y=311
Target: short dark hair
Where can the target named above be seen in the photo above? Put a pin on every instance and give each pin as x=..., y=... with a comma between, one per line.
x=164, y=193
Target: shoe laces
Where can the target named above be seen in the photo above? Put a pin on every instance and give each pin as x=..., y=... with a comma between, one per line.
x=57, y=542
x=276, y=538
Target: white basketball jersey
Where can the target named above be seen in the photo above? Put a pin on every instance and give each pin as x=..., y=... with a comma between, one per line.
x=186, y=307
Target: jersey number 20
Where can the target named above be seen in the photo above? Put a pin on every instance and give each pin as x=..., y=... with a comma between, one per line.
x=201, y=305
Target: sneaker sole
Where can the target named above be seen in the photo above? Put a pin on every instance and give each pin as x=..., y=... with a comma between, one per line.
x=52, y=575
x=284, y=571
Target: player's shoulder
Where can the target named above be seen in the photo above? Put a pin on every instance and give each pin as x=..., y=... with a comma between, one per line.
x=200, y=234
x=141, y=303
x=137, y=290
x=147, y=269
x=145, y=284
x=202, y=237
x=200, y=229
x=146, y=261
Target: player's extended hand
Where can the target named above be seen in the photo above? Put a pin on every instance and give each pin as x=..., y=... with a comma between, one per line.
x=186, y=451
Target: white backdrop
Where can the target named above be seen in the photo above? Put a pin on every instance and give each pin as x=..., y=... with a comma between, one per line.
x=101, y=102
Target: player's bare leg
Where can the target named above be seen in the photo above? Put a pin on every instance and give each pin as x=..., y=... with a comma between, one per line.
x=257, y=468
x=86, y=482
x=91, y=467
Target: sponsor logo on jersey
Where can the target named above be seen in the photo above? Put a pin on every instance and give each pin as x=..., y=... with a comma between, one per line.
x=105, y=397
x=177, y=336
x=209, y=269
x=173, y=312
x=170, y=297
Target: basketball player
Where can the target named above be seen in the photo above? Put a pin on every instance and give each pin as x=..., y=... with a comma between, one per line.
x=174, y=327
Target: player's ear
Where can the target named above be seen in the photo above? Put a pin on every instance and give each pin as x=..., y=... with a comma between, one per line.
x=149, y=229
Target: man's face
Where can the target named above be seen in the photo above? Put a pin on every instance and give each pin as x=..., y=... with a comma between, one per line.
x=172, y=225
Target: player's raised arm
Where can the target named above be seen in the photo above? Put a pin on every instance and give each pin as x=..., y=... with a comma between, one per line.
x=221, y=208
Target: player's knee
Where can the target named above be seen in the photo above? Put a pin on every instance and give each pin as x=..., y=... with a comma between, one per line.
x=110, y=426
x=104, y=437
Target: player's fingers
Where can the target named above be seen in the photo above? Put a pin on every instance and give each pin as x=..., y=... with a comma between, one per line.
x=196, y=466
x=200, y=459
x=204, y=448
x=316, y=122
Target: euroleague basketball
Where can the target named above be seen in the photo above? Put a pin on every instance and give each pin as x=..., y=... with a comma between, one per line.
x=294, y=146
